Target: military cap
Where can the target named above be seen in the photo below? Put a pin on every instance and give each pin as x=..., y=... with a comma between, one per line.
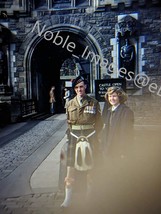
x=77, y=80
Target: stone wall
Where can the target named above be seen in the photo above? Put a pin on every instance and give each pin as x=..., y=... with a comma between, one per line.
x=147, y=109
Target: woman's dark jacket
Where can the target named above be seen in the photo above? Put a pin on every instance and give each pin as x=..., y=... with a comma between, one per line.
x=117, y=134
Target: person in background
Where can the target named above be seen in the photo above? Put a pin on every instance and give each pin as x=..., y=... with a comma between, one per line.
x=118, y=123
x=52, y=100
x=83, y=118
x=66, y=96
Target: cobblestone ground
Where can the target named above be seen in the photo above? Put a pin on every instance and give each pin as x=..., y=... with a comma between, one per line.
x=32, y=204
x=18, y=150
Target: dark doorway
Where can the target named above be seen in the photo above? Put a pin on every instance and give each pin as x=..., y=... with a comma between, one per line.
x=47, y=60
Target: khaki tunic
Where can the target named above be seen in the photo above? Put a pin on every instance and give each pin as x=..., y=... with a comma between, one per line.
x=52, y=96
x=87, y=114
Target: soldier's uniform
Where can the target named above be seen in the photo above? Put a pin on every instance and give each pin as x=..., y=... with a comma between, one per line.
x=82, y=120
x=84, y=124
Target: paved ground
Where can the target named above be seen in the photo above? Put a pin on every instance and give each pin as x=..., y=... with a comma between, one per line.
x=29, y=167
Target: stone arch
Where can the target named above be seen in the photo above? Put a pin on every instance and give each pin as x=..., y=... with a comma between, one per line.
x=92, y=39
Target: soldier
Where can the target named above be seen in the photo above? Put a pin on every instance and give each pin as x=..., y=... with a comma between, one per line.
x=83, y=118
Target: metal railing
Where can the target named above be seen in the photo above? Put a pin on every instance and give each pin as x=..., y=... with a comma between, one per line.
x=28, y=107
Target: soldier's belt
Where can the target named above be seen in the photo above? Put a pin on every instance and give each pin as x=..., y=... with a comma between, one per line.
x=82, y=127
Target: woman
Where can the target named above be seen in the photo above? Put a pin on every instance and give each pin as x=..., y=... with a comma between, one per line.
x=118, y=121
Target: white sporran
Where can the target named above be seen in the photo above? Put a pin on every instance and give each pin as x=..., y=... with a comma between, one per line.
x=83, y=155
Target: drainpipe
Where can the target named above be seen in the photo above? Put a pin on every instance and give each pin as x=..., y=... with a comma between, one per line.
x=118, y=52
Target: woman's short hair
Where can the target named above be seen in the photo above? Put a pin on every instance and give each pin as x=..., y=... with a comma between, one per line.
x=119, y=91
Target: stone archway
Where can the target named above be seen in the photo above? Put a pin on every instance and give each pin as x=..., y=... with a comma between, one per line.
x=41, y=38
